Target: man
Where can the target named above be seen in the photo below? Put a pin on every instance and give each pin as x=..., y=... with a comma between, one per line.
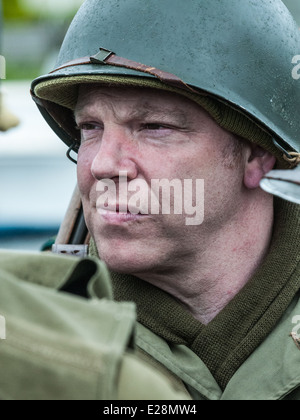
x=188, y=91
x=172, y=138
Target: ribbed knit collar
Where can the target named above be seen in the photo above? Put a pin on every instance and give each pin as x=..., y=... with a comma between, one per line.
x=227, y=341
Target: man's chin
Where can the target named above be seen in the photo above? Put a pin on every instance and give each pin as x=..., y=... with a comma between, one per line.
x=127, y=263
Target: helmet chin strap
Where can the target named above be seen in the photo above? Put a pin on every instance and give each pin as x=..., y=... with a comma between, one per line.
x=72, y=148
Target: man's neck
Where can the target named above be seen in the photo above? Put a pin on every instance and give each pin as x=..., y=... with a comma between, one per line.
x=210, y=278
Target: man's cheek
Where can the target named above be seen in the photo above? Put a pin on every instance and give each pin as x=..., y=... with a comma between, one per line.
x=84, y=178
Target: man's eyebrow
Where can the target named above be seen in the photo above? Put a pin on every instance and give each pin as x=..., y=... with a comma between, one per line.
x=145, y=111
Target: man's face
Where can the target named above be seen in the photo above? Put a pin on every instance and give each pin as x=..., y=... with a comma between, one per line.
x=146, y=135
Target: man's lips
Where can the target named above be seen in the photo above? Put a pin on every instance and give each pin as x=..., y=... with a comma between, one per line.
x=118, y=214
x=121, y=208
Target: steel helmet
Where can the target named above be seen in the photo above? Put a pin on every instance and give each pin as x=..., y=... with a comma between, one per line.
x=236, y=58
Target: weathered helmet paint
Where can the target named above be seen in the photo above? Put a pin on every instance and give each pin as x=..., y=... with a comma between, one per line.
x=238, y=51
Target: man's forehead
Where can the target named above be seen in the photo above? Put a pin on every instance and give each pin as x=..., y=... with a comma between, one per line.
x=139, y=101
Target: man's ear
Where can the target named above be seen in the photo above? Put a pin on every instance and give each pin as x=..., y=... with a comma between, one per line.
x=259, y=163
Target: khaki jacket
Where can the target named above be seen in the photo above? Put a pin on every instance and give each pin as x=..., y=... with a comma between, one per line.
x=56, y=346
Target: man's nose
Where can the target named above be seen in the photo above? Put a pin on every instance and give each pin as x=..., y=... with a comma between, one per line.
x=116, y=154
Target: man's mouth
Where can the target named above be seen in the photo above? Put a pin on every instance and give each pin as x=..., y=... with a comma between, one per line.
x=120, y=214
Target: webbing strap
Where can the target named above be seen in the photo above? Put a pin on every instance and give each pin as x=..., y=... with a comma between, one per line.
x=106, y=57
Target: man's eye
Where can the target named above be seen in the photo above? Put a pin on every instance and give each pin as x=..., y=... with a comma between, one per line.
x=88, y=127
x=153, y=126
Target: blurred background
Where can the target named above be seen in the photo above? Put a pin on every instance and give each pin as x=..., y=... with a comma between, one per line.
x=36, y=179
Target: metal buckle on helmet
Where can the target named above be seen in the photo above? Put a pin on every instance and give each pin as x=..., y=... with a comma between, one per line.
x=101, y=56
